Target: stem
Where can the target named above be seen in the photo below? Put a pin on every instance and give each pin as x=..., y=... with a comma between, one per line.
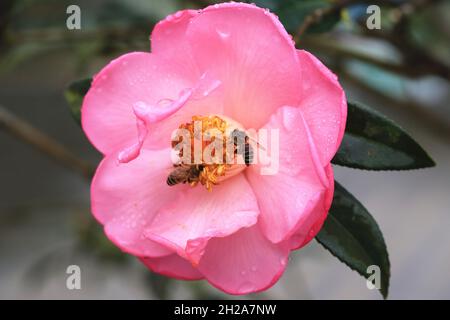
x=24, y=131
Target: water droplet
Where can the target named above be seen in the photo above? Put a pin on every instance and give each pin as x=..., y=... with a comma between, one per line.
x=243, y=272
x=289, y=119
x=254, y=268
x=223, y=34
x=283, y=261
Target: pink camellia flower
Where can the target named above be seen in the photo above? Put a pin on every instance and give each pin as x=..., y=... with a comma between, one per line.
x=234, y=64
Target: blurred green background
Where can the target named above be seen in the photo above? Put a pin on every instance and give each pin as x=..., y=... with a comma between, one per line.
x=403, y=70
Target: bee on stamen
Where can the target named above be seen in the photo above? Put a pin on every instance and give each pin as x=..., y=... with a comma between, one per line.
x=242, y=143
x=231, y=155
x=185, y=174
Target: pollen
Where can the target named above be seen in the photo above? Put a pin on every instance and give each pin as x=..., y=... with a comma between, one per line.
x=205, y=143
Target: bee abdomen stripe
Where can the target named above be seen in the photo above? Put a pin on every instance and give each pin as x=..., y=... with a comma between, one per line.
x=171, y=181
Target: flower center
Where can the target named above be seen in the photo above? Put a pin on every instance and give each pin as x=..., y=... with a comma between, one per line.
x=209, y=149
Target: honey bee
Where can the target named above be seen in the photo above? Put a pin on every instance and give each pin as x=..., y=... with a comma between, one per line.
x=184, y=173
x=242, y=142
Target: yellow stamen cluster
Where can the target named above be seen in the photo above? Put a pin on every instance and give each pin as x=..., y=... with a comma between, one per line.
x=210, y=174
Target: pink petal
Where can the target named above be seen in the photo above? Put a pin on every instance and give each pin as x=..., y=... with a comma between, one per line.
x=243, y=262
x=205, y=98
x=126, y=197
x=107, y=113
x=197, y=215
x=168, y=39
x=173, y=266
x=133, y=151
x=306, y=230
x=108, y=117
x=248, y=49
x=287, y=198
x=323, y=104
x=148, y=115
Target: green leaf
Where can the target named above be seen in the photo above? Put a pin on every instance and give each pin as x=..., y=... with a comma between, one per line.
x=374, y=142
x=74, y=95
x=352, y=235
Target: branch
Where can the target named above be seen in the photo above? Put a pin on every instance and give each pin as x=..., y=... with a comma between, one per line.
x=401, y=12
x=331, y=47
x=422, y=61
x=416, y=61
x=56, y=34
x=24, y=131
x=435, y=123
x=318, y=15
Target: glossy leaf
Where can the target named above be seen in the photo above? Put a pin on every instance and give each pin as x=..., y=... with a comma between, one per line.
x=352, y=235
x=374, y=142
x=74, y=95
